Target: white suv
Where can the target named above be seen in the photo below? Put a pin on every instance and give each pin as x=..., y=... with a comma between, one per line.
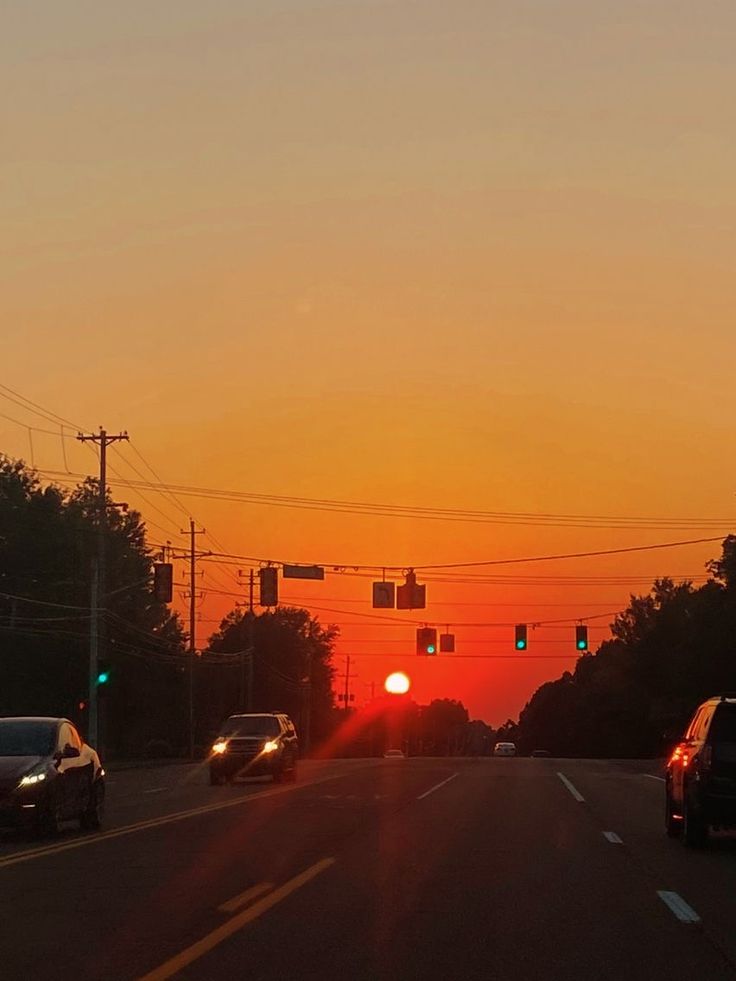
x=504, y=749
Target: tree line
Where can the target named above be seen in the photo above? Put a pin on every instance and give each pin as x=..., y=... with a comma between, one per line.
x=48, y=546
x=670, y=650
x=279, y=660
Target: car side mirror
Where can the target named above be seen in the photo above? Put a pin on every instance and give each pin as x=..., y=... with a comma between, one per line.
x=70, y=752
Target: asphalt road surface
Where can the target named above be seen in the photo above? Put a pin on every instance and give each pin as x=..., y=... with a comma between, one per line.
x=436, y=869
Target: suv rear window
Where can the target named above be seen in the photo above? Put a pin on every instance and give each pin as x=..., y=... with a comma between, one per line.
x=252, y=725
x=723, y=729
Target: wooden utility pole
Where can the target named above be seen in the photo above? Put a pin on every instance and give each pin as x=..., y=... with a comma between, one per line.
x=347, y=684
x=98, y=598
x=251, y=640
x=192, y=532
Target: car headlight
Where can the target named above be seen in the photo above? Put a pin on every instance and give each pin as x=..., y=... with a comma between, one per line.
x=271, y=746
x=32, y=778
x=219, y=747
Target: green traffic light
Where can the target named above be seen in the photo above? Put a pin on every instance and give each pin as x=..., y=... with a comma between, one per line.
x=103, y=677
x=521, y=645
x=582, y=645
x=430, y=649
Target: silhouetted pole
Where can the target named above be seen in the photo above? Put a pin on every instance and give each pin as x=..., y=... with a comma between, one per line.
x=98, y=597
x=192, y=628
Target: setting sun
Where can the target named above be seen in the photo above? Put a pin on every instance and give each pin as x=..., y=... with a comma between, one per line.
x=397, y=683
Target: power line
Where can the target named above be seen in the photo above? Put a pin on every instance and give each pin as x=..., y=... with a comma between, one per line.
x=526, y=519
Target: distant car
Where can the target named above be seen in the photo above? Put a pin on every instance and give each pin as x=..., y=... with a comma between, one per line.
x=504, y=749
x=700, y=778
x=394, y=754
x=48, y=775
x=255, y=744
x=541, y=753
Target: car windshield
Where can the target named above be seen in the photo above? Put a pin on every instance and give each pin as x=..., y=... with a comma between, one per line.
x=31, y=737
x=723, y=729
x=251, y=725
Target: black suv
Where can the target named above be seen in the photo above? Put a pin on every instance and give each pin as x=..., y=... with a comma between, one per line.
x=700, y=786
x=253, y=745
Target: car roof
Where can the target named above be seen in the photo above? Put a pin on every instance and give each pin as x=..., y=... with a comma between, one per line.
x=33, y=718
x=257, y=715
x=728, y=697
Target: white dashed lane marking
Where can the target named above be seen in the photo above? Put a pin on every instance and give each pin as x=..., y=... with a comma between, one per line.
x=436, y=787
x=573, y=790
x=677, y=905
x=612, y=837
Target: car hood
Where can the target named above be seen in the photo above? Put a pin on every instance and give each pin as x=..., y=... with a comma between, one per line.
x=12, y=768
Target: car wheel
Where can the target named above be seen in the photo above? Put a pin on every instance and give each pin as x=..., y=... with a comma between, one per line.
x=672, y=825
x=694, y=827
x=91, y=818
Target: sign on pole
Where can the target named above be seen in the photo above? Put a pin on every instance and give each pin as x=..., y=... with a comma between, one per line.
x=303, y=572
x=384, y=595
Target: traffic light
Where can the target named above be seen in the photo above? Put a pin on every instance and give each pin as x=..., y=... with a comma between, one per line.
x=103, y=673
x=581, y=637
x=411, y=595
x=520, y=637
x=426, y=640
x=447, y=643
x=163, y=582
x=269, y=577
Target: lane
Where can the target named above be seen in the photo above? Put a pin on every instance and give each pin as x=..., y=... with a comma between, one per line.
x=438, y=869
x=130, y=802
x=141, y=899
x=499, y=874
x=631, y=795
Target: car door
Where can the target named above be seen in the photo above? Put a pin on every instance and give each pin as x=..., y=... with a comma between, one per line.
x=69, y=771
x=83, y=774
x=290, y=739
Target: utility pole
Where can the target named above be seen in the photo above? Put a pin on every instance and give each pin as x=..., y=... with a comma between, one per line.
x=192, y=626
x=98, y=599
x=247, y=655
x=347, y=684
x=251, y=640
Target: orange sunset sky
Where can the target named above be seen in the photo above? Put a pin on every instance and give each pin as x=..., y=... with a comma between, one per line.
x=470, y=255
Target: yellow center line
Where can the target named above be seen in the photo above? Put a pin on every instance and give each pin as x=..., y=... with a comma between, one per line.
x=245, y=897
x=236, y=923
x=55, y=849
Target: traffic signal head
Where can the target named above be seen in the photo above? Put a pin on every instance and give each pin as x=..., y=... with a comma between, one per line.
x=269, y=578
x=520, y=637
x=581, y=637
x=426, y=640
x=163, y=582
x=103, y=673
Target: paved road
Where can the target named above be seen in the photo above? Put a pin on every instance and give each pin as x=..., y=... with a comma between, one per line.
x=374, y=871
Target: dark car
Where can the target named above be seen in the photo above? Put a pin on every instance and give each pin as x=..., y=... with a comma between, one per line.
x=540, y=754
x=253, y=745
x=700, y=785
x=48, y=775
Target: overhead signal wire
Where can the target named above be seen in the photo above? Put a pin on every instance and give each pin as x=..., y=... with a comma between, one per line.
x=357, y=566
